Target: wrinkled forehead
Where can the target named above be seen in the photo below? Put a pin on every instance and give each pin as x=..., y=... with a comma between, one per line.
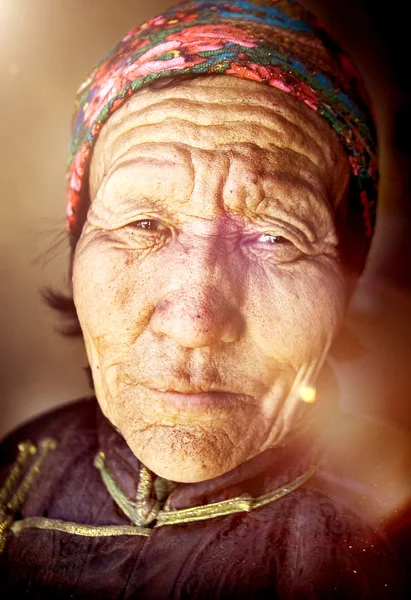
x=207, y=120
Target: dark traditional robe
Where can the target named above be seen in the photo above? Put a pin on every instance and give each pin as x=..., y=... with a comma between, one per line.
x=82, y=518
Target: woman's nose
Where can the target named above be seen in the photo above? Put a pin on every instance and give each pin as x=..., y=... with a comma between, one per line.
x=195, y=321
x=200, y=307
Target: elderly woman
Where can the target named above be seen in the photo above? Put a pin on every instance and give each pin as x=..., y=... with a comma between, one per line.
x=221, y=202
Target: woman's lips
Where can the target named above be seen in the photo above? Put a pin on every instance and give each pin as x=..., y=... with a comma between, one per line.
x=196, y=401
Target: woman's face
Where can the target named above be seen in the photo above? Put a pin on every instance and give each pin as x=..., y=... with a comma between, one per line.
x=207, y=279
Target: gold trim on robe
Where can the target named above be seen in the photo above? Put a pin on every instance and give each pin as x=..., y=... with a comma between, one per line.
x=167, y=516
x=244, y=503
x=8, y=509
x=144, y=512
x=78, y=528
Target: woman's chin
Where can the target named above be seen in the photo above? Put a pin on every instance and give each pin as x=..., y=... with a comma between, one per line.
x=184, y=471
x=185, y=455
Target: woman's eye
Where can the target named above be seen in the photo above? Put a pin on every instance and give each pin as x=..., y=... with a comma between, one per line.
x=277, y=248
x=149, y=224
x=147, y=233
x=273, y=239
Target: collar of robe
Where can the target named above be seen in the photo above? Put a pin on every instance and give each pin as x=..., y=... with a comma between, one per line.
x=149, y=500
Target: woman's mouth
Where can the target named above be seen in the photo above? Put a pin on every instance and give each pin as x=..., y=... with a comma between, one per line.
x=198, y=400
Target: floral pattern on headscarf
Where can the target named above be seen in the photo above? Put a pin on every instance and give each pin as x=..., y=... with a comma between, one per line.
x=273, y=42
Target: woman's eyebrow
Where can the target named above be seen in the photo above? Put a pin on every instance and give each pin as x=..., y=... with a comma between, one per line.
x=296, y=188
x=288, y=197
x=287, y=189
x=124, y=166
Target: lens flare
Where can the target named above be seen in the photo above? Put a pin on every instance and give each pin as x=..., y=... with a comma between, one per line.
x=308, y=394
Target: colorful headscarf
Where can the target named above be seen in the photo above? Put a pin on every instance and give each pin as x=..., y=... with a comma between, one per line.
x=274, y=42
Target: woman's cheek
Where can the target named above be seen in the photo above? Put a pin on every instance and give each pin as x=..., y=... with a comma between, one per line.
x=107, y=289
x=321, y=310
x=295, y=313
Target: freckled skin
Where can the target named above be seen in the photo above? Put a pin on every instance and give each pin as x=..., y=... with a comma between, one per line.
x=209, y=258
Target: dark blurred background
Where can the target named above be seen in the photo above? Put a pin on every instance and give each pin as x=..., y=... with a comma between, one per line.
x=46, y=49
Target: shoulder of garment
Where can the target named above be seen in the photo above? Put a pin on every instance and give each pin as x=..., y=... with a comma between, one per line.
x=37, y=451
